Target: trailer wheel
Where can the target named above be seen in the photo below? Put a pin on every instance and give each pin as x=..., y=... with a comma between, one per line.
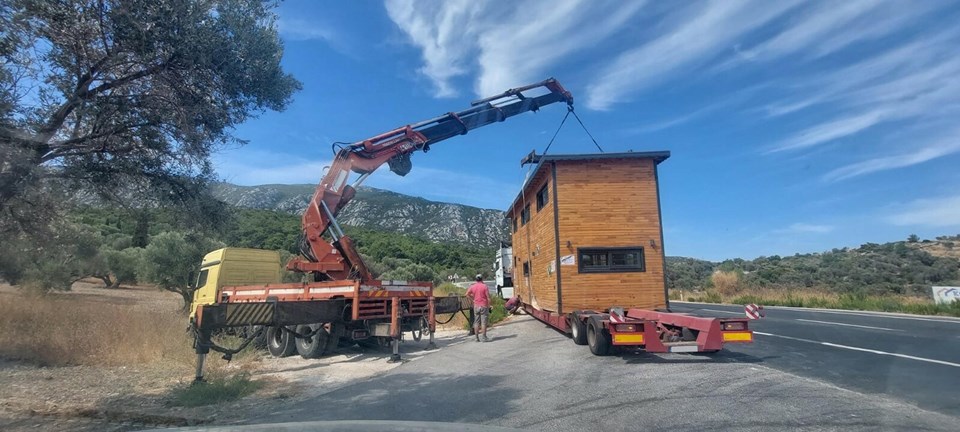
x=578, y=330
x=279, y=342
x=598, y=338
x=317, y=343
x=419, y=328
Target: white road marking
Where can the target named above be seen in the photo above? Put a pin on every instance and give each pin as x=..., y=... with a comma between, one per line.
x=726, y=312
x=893, y=315
x=847, y=325
x=910, y=357
x=873, y=315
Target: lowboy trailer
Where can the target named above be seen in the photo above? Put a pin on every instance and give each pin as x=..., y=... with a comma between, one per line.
x=589, y=261
x=653, y=331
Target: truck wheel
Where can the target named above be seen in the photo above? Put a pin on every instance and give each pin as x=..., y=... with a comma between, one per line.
x=260, y=342
x=598, y=338
x=578, y=330
x=279, y=342
x=317, y=344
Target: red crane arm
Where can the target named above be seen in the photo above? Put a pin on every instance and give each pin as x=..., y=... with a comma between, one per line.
x=338, y=259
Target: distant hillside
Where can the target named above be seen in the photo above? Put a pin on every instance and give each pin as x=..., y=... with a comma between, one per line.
x=381, y=210
x=904, y=267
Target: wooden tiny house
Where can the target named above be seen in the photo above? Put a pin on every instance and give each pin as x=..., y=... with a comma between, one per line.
x=587, y=233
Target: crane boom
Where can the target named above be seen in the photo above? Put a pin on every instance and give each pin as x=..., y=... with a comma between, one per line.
x=338, y=259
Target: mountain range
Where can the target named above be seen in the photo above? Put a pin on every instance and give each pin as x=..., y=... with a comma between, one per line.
x=382, y=210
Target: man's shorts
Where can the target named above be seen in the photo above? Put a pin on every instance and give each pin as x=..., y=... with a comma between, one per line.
x=480, y=316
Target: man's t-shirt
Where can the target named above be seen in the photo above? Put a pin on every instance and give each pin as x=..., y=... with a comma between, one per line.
x=480, y=295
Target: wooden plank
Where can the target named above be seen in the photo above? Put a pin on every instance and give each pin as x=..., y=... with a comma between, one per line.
x=610, y=203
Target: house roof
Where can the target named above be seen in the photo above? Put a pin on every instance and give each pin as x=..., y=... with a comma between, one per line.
x=657, y=156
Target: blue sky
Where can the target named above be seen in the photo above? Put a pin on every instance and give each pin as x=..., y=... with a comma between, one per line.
x=793, y=126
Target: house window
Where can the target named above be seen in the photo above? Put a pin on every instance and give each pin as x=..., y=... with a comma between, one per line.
x=611, y=260
x=543, y=197
x=514, y=220
x=525, y=215
x=526, y=268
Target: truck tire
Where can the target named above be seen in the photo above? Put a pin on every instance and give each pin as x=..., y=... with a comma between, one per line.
x=578, y=330
x=598, y=338
x=317, y=344
x=279, y=342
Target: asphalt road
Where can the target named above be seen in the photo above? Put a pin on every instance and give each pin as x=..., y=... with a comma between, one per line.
x=911, y=358
x=532, y=377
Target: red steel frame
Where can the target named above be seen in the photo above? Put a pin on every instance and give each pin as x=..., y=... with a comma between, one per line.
x=649, y=325
x=370, y=300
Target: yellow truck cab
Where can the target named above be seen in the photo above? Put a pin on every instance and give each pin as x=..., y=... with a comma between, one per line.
x=231, y=267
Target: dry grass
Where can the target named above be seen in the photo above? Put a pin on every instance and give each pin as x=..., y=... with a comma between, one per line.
x=92, y=326
x=725, y=283
x=813, y=298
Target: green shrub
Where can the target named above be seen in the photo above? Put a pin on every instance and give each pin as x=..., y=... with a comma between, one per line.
x=446, y=289
x=215, y=391
x=708, y=297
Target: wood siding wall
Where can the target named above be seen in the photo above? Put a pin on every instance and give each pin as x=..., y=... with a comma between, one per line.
x=601, y=203
x=610, y=203
x=535, y=243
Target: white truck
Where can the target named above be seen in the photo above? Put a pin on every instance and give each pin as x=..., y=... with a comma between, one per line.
x=503, y=269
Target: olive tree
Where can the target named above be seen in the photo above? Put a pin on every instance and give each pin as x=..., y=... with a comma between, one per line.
x=95, y=94
x=172, y=259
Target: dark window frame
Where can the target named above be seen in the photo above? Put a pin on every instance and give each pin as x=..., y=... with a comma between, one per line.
x=525, y=215
x=526, y=268
x=514, y=221
x=543, y=196
x=608, y=257
x=202, y=278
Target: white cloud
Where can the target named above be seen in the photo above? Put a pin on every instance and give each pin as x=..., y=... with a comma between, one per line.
x=827, y=27
x=914, y=81
x=519, y=49
x=937, y=212
x=442, y=32
x=298, y=29
x=883, y=19
x=448, y=186
x=805, y=228
x=932, y=151
x=810, y=27
x=249, y=168
x=724, y=103
x=831, y=130
x=697, y=36
x=506, y=44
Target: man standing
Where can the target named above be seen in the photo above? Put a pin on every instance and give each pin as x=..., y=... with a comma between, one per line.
x=480, y=295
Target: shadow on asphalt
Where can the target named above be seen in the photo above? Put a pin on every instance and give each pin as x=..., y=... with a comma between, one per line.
x=639, y=356
x=411, y=396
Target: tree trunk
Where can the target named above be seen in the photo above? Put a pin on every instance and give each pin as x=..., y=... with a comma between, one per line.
x=187, y=294
x=141, y=233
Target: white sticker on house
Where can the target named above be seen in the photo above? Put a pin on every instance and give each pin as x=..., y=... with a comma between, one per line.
x=568, y=260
